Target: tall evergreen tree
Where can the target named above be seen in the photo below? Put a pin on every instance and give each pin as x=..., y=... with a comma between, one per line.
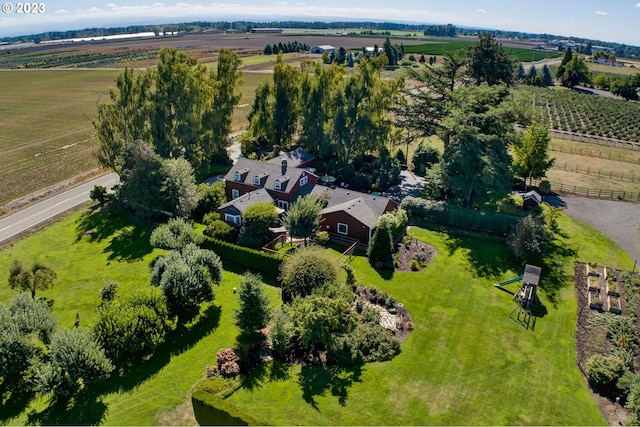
x=568, y=55
x=254, y=312
x=489, y=62
x=547, y=77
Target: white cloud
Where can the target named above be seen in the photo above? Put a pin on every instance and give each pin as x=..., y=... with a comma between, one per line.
x=601, y=13
x=157, y=5
x=111, y=5
x=482, y=11
x=638, y=5
x=61, y=11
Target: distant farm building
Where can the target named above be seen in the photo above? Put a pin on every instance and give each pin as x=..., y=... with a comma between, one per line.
x=266, y=30
x=322, y=49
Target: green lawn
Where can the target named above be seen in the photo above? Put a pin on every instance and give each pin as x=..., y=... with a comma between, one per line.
x=466, y=362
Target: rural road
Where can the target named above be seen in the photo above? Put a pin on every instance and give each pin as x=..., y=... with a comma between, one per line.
x=14, y=224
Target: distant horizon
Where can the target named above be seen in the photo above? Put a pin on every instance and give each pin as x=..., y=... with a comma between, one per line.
x=589, y=19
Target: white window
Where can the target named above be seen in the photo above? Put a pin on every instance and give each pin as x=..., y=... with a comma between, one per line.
x=233, y=219
x=237, y=177
x=277, y=185
x=256, y=180
x=235, y=193
x=343, y=228
x=304, y=180
x=283, y=205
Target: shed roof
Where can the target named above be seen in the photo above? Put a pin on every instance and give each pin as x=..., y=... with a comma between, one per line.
x=241, y=203
x=531, y=275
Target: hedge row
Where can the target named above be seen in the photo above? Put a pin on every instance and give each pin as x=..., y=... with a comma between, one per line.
x=210, y=409
x=441, y=213
x=246, y=257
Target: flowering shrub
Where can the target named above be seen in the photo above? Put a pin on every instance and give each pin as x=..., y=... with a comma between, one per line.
x=226, y=355
x=211, y=371
x=229, y=369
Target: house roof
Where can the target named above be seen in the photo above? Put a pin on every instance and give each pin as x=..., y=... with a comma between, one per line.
x=268, y=173
x=241, y=203
x=294, y=158
x=533, y=195
x=364, y=207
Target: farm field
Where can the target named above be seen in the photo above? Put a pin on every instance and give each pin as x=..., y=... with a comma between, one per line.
x=571, y=111
x=47, y=132
x=594, y=166
x=464, y=355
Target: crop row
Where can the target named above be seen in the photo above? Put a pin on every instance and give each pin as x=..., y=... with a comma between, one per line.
x=571, y=111
x=87, y=60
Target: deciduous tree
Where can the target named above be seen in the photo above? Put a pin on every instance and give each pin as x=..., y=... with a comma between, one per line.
x=303, y=217
x=39, y=277
x=532, y=153
x=186, y=278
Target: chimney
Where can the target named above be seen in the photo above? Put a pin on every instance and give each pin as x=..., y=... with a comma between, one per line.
x=284, y=166
x=276, y=150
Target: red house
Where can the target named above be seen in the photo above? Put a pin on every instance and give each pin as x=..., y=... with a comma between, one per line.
x=282, y=179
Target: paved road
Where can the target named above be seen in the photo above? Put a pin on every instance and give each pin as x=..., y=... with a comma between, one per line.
x=617, y=219
x=16, y=223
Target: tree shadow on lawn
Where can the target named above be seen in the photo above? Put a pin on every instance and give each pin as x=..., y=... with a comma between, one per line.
x=86, y=408
x=129, y=234
x=136, y=371
x=317, y=380
x=273, y=371
x=487, y=259
x=14, y=400
x=554, y=275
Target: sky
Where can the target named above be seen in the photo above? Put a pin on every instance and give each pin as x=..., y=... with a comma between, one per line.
x=613, y=20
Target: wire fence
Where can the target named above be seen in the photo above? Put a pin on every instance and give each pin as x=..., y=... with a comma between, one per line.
x=593, y=192
x=596, y=153
x=594, y=139
x=588, y=170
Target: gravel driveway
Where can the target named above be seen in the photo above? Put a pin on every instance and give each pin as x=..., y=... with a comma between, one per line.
x=617, y=219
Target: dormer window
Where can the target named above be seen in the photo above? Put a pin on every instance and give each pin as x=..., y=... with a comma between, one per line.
x=237, y=176
x=303, y=181
x=277, y=185
x=256, y=180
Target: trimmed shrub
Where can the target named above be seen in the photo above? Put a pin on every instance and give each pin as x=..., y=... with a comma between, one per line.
x=528, y=240
x=308, y=268
x=226, y=355
x=604, y=371
x=245, y=257
x=368, y=342
x=429, y=212
x=221, y=230
x=175, y=234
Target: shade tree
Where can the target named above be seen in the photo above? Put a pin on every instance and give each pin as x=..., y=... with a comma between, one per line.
x=531, y=153
x=40, y=276
x=303, y=217
x=186, y=278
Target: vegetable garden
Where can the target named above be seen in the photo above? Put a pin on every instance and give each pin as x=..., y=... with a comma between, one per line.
x=571, y=111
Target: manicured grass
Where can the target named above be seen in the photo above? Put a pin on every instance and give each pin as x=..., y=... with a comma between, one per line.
x=121, y=252
x=466, y=362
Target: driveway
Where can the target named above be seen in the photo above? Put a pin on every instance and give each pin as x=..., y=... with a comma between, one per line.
x=619, y=220
x=410, y=185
